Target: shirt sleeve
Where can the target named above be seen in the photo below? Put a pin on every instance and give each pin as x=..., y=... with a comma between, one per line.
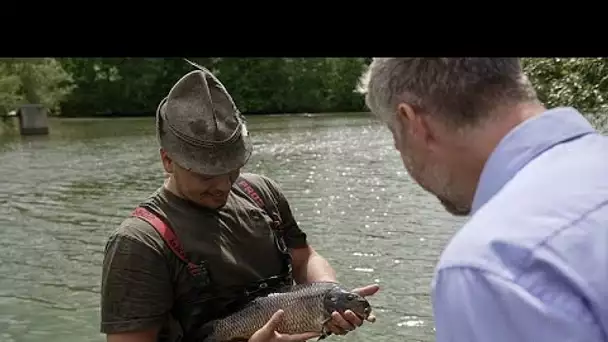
x=136, y=290
x=475, y=306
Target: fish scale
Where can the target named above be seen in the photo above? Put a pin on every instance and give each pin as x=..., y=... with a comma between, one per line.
x=304, y=307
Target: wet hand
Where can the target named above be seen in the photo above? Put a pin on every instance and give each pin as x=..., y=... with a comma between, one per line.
x=268, y=333
x=341, y=324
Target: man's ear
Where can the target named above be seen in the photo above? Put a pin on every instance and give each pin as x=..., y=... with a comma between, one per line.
x=166, y=160
x=415, y=122
x=405, y=115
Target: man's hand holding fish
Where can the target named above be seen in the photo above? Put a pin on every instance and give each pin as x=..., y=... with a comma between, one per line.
x=310, y=267
x=269, y=333
x=341, y=324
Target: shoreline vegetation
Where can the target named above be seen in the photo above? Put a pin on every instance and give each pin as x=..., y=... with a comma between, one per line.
x=133, y=87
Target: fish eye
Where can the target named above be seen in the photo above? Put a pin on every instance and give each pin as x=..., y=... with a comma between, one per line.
x=350, y=297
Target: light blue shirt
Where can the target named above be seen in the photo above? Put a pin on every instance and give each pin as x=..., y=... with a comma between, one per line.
x=531, y=264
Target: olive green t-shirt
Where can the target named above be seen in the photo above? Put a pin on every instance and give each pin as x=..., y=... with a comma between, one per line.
x=142, y=279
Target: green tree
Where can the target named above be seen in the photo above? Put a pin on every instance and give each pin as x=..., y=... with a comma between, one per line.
x=33, y=80
x=91, y=86
x=578, y=82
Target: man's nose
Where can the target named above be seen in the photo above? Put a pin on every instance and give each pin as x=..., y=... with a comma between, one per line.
x=223, y=183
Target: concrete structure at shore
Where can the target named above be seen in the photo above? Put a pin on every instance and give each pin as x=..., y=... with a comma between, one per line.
x=33, y=119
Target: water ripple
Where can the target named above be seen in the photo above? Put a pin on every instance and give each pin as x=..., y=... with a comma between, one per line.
x=63, y=194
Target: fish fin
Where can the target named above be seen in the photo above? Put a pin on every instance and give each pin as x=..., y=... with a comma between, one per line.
x=324, y=336
x=324, y=332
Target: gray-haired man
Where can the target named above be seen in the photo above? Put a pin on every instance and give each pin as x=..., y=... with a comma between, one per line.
x=531, y=263
x=210, y=239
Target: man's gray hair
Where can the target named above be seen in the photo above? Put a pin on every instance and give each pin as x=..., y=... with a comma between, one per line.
x=460, y=91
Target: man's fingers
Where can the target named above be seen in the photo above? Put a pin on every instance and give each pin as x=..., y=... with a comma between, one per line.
x=341, y=323
x=334, y=328
x=269, y=330
x=352, y=318
x=274, y=321
x=368, y=290
x=298, y=337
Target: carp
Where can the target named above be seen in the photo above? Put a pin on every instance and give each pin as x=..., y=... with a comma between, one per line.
x=307, y=308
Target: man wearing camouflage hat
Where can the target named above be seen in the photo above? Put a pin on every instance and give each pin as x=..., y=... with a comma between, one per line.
x=210, y=239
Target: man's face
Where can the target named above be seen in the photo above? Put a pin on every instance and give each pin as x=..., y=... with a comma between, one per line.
x=207, y=191
x=429, y=160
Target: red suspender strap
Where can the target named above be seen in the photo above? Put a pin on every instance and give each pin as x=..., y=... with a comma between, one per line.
x=167, y=234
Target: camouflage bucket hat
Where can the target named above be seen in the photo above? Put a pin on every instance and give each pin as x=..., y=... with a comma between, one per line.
x=200, y=127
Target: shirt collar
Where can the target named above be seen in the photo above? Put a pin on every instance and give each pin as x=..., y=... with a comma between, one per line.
x=524, y=143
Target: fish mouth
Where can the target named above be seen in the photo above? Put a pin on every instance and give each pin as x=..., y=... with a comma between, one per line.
x=368, y=315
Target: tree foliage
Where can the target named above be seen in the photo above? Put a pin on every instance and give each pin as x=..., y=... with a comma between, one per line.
x=578, y=82
x=32, y=80
x=94, y=86
x=258, y=85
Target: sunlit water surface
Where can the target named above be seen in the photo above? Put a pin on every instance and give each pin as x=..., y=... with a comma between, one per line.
x=62, y=195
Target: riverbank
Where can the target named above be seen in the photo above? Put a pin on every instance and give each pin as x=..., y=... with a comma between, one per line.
x=112, y=115
x=133, y=87
x=84, y=126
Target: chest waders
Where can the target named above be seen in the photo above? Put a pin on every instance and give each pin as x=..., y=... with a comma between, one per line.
x=208, y=300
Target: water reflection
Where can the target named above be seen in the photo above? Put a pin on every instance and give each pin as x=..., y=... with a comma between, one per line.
x=63, y=194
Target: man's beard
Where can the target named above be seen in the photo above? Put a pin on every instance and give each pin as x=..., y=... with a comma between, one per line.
x=454, y=209
x=429, y=175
